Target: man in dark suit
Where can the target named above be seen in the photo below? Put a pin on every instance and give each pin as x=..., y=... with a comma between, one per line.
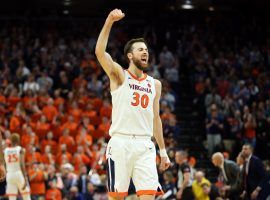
x=229, y=174
x=253, y=173
x=83, y=180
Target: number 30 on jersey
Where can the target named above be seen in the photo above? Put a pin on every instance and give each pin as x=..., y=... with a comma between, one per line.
x=140, y=100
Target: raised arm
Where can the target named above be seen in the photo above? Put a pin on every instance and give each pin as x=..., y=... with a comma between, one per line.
x=158, y=133
x=112, y=69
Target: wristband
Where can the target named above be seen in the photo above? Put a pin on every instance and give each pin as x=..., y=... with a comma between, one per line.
x=163, y=153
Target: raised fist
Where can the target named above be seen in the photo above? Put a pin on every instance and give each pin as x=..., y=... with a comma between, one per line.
x=116, y=15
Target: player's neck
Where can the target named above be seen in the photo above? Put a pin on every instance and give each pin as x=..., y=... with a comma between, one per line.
x=136, y=72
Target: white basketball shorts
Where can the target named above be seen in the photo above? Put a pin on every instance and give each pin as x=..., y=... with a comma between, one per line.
x=131, y=157
x=15, y=183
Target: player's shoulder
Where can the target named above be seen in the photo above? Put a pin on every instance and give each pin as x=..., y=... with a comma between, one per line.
x=158, y=82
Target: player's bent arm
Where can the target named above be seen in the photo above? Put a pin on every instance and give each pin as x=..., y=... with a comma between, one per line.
x=111, y=68
x=158, y=133
x=185, y=181
x=22, y=163
x=2, y=160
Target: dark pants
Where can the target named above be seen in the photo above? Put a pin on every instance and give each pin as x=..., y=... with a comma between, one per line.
x=187, y=194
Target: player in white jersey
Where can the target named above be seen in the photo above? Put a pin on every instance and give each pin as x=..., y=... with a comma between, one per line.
x=135, y=119
x=16, y=174
x=2, y=161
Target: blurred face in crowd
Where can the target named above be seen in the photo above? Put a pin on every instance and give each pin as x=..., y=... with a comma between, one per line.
x=246, y=151
x=240, y=159
x=180, y=157
x=199, y=176
x=217, y=159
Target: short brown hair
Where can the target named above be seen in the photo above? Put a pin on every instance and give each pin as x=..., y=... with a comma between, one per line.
x=128, y=47
x=15, y=138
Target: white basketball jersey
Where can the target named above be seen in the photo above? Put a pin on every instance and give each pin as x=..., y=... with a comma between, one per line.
x=132, y=106
x=12, y=158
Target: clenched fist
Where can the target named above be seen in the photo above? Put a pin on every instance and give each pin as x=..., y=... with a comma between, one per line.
x=116, y=15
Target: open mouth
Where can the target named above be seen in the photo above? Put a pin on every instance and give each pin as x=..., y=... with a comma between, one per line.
x=144, y=60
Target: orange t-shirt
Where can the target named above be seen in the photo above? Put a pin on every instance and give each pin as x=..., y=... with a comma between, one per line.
x=60, y=157
x=79, y=160
x=250, y=133
x=12, y=101
x=51, y=143
x=42, y=129
x=15, y=124
x=33, y=157
x=37, y=184
x=104, y=127
x=76, y=113
x=58, y=101
x=27, y=139
x=69, y=141
x=46, y=160
x=49, y=112
x=89, y=113
x=82, y=140
x=72, y=126
x=53, y=194
x=106, y=111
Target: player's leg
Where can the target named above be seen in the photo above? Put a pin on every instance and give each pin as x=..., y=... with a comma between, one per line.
x=145, y=176
x=11, y=189
x=24, y=191
x=118, y=169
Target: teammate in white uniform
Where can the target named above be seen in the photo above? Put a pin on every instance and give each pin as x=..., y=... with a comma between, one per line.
x=2, y=161
x=16, y=173
x=135, y=119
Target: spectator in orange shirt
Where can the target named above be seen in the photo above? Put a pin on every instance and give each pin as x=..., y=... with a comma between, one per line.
x=80, y=159
x=106, y=109
x=63, y=156
x=37, y=178
x=105, y=126
x=86, y=124
x=53, y=193
x=48, y=158
x=49, y=141
x=29, y=99
x=29, y=137
x=67, y=140
x=57, y=128
x=75, y=111
x=32, y=155
x=71, y=125
x=89, y=110
x=57, y=98
x=15, y=122
x=42, y=127
x=79, y=82
x=13, y=98
x=50, y=110
x=84, y=139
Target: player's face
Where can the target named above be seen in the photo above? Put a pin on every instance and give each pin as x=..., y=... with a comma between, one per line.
x=140, y=55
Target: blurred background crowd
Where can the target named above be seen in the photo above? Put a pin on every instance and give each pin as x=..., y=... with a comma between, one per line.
x=216, y=86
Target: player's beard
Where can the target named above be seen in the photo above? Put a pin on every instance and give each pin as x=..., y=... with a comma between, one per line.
x=138, y=63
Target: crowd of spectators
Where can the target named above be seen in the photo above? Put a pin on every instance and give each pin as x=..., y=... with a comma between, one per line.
x=55, y=95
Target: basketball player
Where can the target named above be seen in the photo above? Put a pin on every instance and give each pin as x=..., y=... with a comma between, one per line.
x=2, y=161
x=135, y=119
x=16, y=173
